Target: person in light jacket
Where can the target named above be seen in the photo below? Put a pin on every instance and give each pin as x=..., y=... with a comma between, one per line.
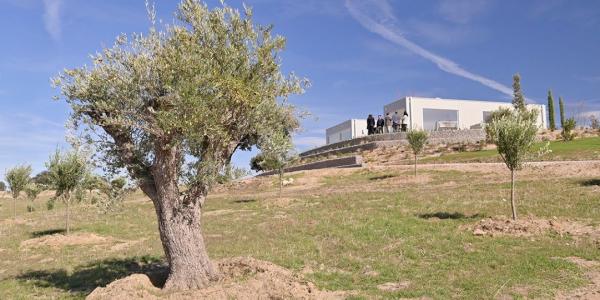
x=405, y=122
x=388, y=123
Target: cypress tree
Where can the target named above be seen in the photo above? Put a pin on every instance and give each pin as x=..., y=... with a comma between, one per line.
x=518, y=99
x=561, y=107
x=551, y=111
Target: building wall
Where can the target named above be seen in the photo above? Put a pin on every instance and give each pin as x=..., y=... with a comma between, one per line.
x=396, y=106
x=359, y=127
x=346, y=130
x=470, y=112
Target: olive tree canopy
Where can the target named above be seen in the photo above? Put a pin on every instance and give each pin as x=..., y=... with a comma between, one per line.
x=173, y=105
x=513, y=133
x=17, y=179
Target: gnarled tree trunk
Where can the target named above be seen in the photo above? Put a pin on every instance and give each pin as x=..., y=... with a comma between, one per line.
x=181, y=236
x=180, y=228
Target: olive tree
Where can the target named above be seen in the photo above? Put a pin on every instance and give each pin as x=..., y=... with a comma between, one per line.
x=32, y=190
x=17, y=179
x=417, y=139
x=173, y=105
x=514, y=135
x=66, y=171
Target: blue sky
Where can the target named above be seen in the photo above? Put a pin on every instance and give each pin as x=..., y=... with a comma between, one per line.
x=358, y=54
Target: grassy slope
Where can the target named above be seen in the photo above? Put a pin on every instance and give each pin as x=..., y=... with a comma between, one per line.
x=352, y=223
x=579, y=149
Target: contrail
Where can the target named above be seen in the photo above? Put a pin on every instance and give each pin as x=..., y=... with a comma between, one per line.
x=382, y=23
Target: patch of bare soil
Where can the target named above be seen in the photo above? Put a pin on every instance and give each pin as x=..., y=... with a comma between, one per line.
x=220, y=212
x=529, y=226
x=60, y=240
x=393, y=286
x=243, y=278
x=123, y=245
x=591, y=290
x=279, y=201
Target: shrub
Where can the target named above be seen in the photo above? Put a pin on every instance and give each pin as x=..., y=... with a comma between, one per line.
x=567, y=133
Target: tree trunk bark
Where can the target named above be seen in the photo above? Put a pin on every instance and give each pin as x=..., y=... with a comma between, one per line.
x=14, y=208
x=68, y=200
x=180, y=228
x=512, y=194
x=280, y=182
x=415, y=165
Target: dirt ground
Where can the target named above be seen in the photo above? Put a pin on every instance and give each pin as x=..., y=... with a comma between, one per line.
x=243, y=278
x=529, y=226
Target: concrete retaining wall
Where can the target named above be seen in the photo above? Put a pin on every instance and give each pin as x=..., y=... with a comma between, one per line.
x=370, y=142
x=344, y=162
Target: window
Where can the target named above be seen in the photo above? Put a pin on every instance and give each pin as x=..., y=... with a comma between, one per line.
x=486, y=116
x=434, y=118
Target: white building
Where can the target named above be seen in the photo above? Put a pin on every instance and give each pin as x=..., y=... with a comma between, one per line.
x=346, y=130
x=431, y=114
x=438, y=114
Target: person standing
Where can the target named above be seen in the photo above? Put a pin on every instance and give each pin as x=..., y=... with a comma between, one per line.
x=388, y=123
x=380, y=124
x=370, y=124
x=405, y=122
x=395, y=121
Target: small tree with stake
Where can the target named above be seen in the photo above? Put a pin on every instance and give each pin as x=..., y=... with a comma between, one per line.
x=275, y=155
x=514, y=135
x=17, y=178
x=417, y=140
x=66, y=172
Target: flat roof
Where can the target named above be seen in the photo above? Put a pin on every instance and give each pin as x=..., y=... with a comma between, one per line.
x=450, y=99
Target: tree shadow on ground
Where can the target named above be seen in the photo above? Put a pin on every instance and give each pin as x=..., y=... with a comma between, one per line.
x=381, y=177
x=47, y=232
x=84, y=279
x=447, y=215
x=244, y=201
x=590, y=182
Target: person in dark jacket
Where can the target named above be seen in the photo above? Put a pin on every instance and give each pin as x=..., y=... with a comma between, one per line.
x=370, y=125
x=380, y=123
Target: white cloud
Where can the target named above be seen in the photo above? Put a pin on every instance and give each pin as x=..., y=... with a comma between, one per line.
x=52, y=17
x=462, y=11
x=444, y=33
x=377, y=17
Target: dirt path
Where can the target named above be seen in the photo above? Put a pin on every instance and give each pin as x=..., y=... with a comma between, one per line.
x=558, y=168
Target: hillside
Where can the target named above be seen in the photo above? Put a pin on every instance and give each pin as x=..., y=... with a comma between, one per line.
x=367, y=232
